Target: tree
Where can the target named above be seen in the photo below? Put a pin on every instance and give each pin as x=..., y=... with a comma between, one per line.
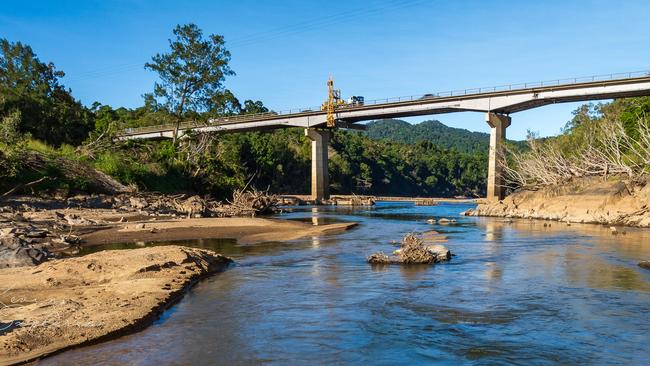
x=32, y=87
x=192, y=73
x=225, y=104
x=253, y=107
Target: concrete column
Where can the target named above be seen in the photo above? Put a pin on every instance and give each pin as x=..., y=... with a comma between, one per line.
x=320, y=179
x=498, y=124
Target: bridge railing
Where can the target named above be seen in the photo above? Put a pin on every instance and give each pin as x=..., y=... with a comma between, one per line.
x=517, y=86
x=452, y=93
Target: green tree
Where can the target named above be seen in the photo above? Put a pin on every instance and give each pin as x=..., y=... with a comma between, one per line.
x=192, y=73
x=11, y=144
x=225, y=104
x=253, y=107
x=47, y=110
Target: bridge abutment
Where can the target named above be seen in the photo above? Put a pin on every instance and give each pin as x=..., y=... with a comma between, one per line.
x=495, y=184
x=319, y=176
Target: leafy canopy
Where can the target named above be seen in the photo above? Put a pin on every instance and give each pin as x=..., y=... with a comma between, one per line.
x=192, y=73
x=31, y=87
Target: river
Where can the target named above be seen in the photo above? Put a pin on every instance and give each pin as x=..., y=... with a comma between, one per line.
x=514, y=293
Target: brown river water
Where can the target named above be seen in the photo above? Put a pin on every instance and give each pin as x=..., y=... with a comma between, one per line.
x=514, y=293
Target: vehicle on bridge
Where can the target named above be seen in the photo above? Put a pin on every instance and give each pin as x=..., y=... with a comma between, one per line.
x=356, y=100
x=429, y=96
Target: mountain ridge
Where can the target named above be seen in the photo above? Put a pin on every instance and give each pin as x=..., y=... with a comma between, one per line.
x=433, y=131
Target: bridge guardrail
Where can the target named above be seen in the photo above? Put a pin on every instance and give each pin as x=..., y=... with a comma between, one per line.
x=452, y=93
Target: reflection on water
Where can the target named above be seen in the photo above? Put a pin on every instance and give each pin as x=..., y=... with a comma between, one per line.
x=516, y=292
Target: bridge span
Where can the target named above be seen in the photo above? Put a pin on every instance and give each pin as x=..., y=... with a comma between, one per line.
x=497, y=103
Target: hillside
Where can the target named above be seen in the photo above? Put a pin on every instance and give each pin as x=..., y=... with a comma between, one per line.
x=433, y=131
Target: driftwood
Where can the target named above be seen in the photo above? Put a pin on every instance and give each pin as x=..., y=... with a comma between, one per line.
x=251, y=202
x=415, y=251
x=25, y=185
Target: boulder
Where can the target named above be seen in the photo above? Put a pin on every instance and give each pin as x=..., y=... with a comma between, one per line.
x=441, y=252
x=15, y=252
x=138, y=202
x=644, y=264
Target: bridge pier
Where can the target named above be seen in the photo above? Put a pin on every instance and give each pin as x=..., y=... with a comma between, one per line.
x=498, y=124
x=320, y=179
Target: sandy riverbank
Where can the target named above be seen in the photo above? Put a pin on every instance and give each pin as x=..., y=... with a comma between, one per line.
x=244, y=230
x=588, y=200
x=75, y=301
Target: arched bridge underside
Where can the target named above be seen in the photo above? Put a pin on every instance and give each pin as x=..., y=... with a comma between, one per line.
x=498, y=103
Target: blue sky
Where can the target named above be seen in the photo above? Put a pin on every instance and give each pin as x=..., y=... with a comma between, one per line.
x=283, y=51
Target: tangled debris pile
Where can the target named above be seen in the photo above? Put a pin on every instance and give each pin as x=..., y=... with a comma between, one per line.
x=354, y=201
x=413, y=250
x=250, y=203
x=173, y=205
x=34, y=229
x=244, y=203
x=426, y=202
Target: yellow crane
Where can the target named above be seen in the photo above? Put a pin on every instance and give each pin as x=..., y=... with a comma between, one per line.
x=333, y=101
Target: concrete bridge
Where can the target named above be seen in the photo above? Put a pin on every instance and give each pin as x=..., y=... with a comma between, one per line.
x=497, y=104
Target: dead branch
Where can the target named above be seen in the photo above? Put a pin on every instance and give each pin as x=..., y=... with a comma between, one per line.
x=25, y=185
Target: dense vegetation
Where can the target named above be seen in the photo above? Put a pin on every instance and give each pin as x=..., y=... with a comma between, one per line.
x=42, y=126
x=432, y=131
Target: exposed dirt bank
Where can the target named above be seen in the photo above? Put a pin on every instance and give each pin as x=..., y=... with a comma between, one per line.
x=593, y=200
x=75, y=301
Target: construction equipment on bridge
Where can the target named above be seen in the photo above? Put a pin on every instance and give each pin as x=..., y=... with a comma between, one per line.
x=333, y=100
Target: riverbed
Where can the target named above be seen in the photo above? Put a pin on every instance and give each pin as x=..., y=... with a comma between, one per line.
x=517, y=292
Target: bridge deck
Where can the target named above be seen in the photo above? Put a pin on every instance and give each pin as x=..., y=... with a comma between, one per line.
x=503, y=99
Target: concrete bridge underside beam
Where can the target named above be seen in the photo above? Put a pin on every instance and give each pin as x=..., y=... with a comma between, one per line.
x=319, y=176
x=495, y=184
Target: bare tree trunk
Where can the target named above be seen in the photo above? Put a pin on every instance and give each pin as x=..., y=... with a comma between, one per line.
x=178, y=122
x=179, y=116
